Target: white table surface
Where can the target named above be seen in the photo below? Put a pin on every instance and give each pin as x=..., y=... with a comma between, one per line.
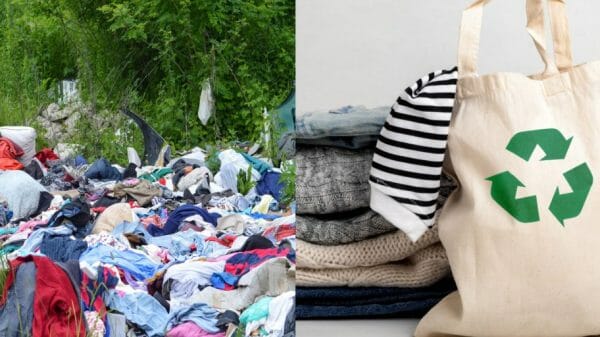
x=357, y=328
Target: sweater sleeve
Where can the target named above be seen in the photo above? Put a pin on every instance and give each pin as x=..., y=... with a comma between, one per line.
x=407, y=164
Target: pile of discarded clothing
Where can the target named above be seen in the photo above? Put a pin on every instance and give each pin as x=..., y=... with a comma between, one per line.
x=95, y=249
x=352, y=262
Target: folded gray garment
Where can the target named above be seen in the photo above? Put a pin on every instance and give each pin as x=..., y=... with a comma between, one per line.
x=332, y=180
x=341, y=230
x=447, y=186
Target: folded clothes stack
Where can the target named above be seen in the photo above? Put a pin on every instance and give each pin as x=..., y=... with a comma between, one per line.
x=351, y=261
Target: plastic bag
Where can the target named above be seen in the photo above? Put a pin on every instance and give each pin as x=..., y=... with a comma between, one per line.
x=207, y=103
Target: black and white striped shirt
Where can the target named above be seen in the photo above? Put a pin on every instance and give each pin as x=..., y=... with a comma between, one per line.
x=407, y=165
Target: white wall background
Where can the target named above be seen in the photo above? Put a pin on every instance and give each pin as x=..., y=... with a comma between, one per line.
x=367, y=51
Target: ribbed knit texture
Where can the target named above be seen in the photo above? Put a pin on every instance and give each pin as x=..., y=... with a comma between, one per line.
x=420, y=270
x=332, y=180
x=342, y=229
x=379, y=250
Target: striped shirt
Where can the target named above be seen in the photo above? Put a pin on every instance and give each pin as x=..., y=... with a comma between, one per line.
x=407, y=164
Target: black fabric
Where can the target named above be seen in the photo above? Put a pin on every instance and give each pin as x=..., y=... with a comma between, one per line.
x=130, y=171
x=77, y=212
x=166, y=289
x=106, y=201
x=153, y=141
x=44, y=203
x=227, y=317
x=81, y=218
x=257, y=242
x=162, y=301
x=34, y=170
x=350, y=143
x=135, y=240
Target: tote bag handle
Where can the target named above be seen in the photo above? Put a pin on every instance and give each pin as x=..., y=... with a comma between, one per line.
x=470, y=34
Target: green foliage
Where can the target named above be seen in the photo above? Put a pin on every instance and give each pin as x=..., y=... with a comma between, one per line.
x=212, y=161
x=288, y=179
x=153, y=56
x=244, y=181
x=273, y=130
x=5, y=269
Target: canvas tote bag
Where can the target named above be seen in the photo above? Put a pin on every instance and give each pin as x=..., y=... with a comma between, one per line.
x=522, y=231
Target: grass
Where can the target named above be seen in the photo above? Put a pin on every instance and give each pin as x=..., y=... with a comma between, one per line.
x=4, y=270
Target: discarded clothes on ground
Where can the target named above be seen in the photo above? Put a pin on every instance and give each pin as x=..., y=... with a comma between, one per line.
x=95, y=249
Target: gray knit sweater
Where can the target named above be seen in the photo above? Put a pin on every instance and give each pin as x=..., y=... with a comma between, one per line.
x=332, y=180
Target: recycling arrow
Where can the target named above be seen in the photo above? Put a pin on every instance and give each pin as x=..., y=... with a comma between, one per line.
x=554, y=144
x=504, y=192
x=569, y=205
x=562, y=206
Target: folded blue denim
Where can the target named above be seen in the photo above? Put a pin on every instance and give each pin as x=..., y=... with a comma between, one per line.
x=101, y=169
x=367, y=301
x=410, y=309
x=346, y=142
x=351, y=127
x=16, y=315
x=371, y=295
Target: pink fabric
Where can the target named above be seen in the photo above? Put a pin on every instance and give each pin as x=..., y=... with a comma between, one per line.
x=190, y=329
x=29, y=225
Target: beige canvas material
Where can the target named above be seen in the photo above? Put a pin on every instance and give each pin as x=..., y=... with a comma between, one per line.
x=520, y=279
x=422, y=269
x=379, y=250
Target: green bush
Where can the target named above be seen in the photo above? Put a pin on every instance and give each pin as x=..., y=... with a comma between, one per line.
x=152, y=56
x=288, y=179
x=244, y=181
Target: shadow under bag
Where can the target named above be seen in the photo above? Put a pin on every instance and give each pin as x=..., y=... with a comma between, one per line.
x=521, y=231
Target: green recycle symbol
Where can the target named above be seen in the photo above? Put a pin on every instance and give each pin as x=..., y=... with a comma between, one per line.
x=563, y=206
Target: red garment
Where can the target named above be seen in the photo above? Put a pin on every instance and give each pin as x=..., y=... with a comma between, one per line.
x=9, y=152
x=225, y=240
x=99, y=209
x=10, y=164
x=281, y=232
x=56, y=308
x=46, y=154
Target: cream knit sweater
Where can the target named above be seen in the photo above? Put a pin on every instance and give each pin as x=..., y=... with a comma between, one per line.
x=376, y=251
x=420, y=270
